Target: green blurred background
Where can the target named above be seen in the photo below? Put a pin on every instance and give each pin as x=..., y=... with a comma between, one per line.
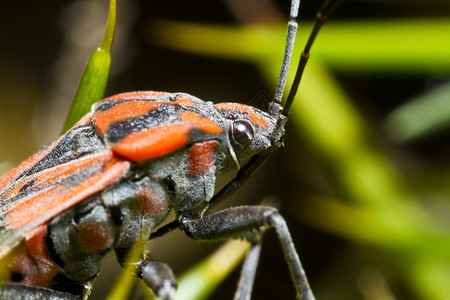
x=364, y=179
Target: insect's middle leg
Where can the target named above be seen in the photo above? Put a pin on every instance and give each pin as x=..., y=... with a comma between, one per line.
x=238, y=222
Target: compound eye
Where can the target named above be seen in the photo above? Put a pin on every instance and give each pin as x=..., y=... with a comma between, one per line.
x=242, y=133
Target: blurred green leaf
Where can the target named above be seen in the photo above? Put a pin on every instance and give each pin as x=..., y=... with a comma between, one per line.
x=421, y=116
x=400, y=46
x=95, y=77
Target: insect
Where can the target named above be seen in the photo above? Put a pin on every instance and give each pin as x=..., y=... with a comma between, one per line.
x=112, y=179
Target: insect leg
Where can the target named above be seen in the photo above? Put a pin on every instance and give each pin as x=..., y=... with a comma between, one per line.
x=248, y=272
x=238, y=222
x=158, y=276
x=17, y=291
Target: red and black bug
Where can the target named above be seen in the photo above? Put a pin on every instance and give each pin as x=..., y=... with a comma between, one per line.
x=113, y=178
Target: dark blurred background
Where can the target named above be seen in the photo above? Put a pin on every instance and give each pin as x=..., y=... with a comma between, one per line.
x=44, y=46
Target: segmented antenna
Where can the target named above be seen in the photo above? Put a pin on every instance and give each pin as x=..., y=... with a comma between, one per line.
x=290, y=40
x=325, y=10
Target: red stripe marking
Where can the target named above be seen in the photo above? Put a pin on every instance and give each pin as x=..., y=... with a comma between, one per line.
x=201, y=158
x=41, y=207
x=153, y=142
x=254, y=118
x=184, y=101
x=25, y=165
x=160, y=140
x=122, y=111
x=132, y=109
x=30, y=207
x=57, y=173
x=49, y=176
x=205, y=124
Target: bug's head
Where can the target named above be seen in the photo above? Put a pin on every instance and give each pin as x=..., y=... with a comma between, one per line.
x=250, y=130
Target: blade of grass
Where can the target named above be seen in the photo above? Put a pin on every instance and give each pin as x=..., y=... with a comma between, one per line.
x=400, y=46
x=95, y=76
x=122, y=287
x=201, y=280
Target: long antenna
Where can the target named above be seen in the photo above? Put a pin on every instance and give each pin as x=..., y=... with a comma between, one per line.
x=290, y=40
x=325, y=10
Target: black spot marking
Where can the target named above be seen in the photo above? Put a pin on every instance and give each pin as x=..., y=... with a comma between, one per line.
x=63, y=284
x=116, y=215
x=16, y=276
x=27, y=186
x=122, y=254
x=171, y=186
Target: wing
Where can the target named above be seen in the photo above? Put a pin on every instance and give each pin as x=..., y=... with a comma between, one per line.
x=66, y=172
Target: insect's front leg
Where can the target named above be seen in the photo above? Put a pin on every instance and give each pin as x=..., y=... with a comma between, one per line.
x=238, y=222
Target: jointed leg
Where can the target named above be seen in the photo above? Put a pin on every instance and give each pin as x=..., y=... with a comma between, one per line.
x=248, y=272
x=157, y=275
x=238, y=222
